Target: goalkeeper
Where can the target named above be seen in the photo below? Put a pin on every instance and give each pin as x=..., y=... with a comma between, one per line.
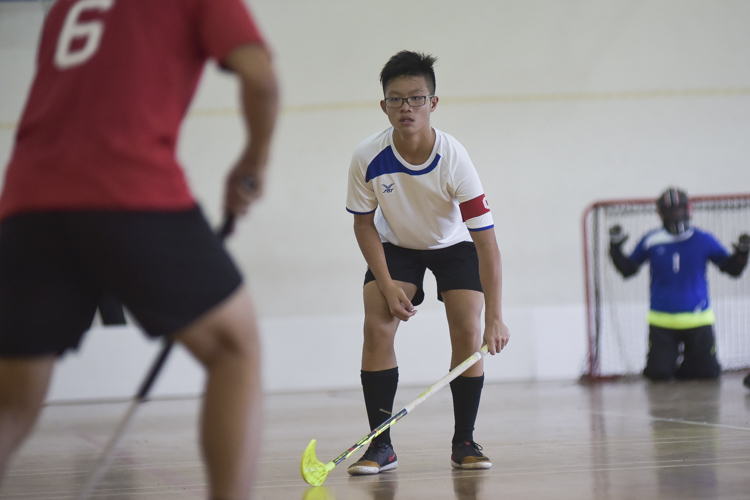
x=680, y=316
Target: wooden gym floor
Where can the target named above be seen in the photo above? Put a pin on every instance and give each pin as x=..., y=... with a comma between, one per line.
x=548, y=440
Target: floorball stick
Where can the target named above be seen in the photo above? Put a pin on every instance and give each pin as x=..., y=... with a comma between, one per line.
x=314, y=472
x=106, y=457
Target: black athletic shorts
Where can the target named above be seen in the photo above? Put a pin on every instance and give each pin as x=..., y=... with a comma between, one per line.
x=455, y=267
x=167, y=268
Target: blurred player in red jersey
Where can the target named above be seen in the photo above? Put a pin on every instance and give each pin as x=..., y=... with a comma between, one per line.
x=94, y=201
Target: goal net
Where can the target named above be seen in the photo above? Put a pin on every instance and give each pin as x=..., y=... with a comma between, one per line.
x=617, y=307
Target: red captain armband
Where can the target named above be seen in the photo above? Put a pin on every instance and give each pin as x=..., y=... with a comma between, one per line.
x=474, y=208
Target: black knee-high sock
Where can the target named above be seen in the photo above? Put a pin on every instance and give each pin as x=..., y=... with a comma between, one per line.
x=379, y=389
x=466, y=394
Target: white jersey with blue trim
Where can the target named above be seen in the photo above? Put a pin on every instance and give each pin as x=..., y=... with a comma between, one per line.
x=428, y=206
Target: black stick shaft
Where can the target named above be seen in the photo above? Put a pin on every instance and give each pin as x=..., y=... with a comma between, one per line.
x=153, y=373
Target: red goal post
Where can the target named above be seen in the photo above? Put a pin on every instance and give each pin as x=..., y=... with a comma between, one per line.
x=616, y=308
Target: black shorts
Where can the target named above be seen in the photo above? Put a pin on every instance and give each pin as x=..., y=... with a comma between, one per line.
x=455, y=268
x=167, y=268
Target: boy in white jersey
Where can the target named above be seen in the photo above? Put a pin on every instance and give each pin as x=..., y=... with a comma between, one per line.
x=680, y=313
x=418, y=203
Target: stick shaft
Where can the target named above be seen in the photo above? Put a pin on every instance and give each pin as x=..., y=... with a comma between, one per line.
x=106, y=456
x=447, y=379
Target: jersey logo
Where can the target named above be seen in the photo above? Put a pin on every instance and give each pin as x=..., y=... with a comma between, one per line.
x=474, y=208
x=388, y=188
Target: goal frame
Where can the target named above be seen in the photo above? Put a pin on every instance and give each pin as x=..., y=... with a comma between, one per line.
x=592, y=280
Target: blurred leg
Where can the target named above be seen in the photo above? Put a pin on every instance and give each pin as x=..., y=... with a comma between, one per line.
x=661, y=362
x=699, y=355
x=225, y=341
x=23, y=387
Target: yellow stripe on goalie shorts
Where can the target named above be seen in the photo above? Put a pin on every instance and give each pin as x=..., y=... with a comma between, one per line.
x=681, y=321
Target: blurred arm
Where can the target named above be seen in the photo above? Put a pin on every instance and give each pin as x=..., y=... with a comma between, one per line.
x=735, y=263
x=623, y=264
x=260, y=106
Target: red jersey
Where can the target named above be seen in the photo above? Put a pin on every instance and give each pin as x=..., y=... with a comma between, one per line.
x=113, y=83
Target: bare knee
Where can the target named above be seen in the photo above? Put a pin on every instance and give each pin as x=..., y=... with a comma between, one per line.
x=466, y=340
x=378, y=351
x=229, y=331
x=466, y=333
x=463, y=309
x=379, y=333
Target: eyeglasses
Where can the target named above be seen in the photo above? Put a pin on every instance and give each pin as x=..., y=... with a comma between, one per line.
x=414, y=101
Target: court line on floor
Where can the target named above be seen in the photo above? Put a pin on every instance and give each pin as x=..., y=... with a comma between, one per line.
x=671, y=420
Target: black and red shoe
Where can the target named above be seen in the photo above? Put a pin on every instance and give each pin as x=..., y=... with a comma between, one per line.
x=378, y=458
x=468, y=455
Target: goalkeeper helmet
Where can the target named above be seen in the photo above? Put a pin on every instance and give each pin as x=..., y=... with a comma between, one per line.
x=674, y=209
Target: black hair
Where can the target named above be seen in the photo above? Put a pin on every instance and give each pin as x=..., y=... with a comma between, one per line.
x=408, y=63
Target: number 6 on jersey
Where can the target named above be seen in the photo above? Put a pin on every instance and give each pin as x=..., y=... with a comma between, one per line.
x=74, y=29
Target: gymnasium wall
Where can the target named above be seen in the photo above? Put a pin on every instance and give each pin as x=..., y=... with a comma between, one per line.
x=559, y=103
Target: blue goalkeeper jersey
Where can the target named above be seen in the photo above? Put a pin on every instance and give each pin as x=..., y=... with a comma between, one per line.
x=678, y=273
